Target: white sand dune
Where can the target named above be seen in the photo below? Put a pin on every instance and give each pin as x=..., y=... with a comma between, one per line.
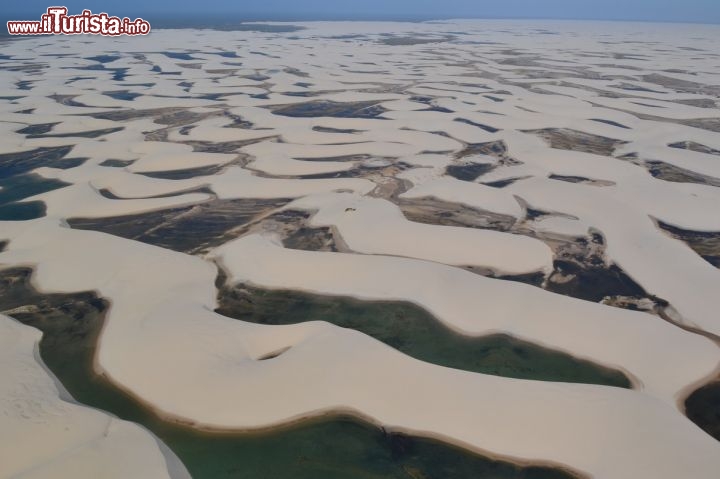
x=163, y=298
x=474, y=195
x=82, y=200
x=376, y=226
x=664, y=266
x=588, y=121
x=45, y=434
x=607, y=335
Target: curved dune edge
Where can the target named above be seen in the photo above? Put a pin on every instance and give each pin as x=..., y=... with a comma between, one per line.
x=330, y=413
x=376, y=226
x=522, y=94
x=162, y=299
x=68, y=439
x=577, y=327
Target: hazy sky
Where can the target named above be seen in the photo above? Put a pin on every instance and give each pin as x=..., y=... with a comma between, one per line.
x=707, y=11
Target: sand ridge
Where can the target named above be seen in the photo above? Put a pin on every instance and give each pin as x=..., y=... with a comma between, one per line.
x=348, y=120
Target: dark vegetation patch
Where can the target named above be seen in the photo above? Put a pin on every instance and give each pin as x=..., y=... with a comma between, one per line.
x=292, y=226
x=104, y=58
x=310, y=239
x=190, y=229
x=179, y=56
x=487, y=128
x=324, y=129
x=579, y=267
x=126, y=95
x=106, y=193
x=223, y=146
x=469, y=171
x=703, y=408
x=710, y=124
x=118, y=74
x=79, y=134
x=668, y=172
x=437, y=212
x=414, y=40
x=581, y=180
x=117, y=163
x=698, y=102
x=704, y=243
x=573, y=140
x=496, y=149
x=503, y=183
x=304, y=94
x=360, y=109
x=184, y=174
x=692, y=146
x=682, y=86
x=570, y=179
x=611, y=123
x=632, y=87
x=130, y=114
x=37, y=129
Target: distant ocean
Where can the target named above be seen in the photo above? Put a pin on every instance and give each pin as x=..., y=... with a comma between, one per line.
x=238, y=21
x=229, y=22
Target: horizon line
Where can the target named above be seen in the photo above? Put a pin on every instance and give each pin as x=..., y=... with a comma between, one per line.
x=257, y=17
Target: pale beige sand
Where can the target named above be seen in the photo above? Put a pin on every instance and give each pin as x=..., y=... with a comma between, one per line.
x=44, y=434
x=498, y=83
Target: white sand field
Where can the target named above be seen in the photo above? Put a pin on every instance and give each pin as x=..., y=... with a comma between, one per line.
x=45, y=434
x=602, y=128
